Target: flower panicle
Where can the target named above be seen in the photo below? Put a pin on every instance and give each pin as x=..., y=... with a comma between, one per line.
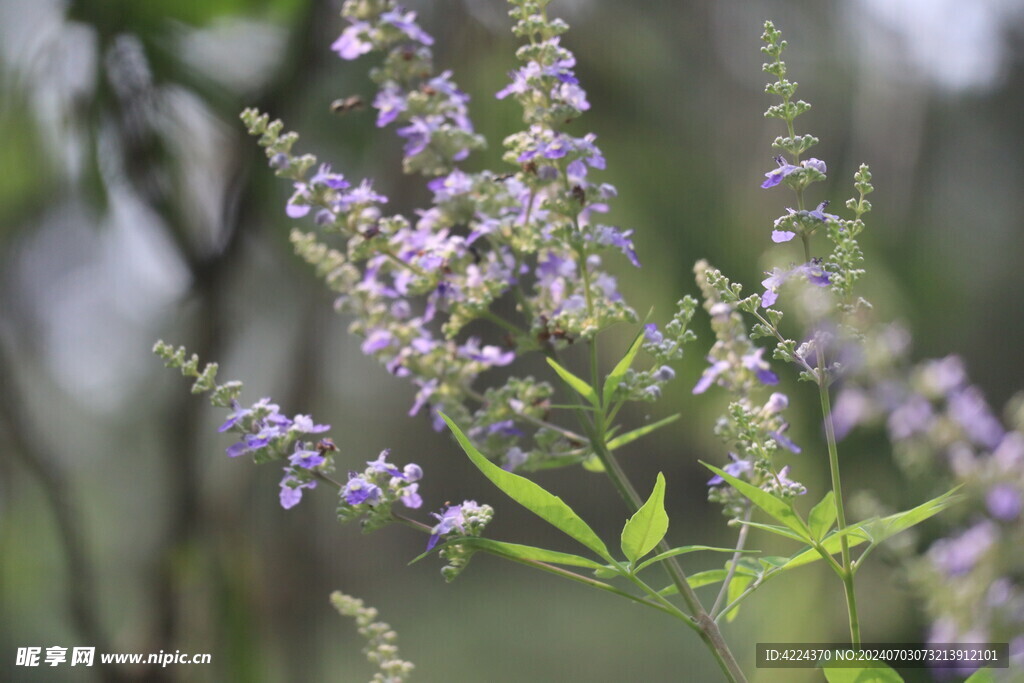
x=752, y=430
x=381, y=646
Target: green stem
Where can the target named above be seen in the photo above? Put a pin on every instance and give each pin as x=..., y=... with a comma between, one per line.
x=833, y=461
x=740, y=543
x=706, y=626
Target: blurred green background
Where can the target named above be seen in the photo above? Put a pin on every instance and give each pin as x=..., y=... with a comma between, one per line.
x=133, y=206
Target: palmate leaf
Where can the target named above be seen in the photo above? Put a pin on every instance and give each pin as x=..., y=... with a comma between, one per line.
x=647, y=526
x=775, y=508
x=533, y=497
x=878, y=530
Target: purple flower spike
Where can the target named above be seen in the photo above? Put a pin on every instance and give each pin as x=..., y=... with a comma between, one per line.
x=775, y=176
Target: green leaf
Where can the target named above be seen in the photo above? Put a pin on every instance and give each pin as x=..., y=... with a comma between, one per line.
x=737, y=585
x=878, y=530
x=982, y=676
x=629, y=437
x=707, y=578
x=686, y=549
x=647, y=526
x=873, y=674
x=618, y=373
x=776, y=508
x=576, y=384
x=822, y=516
x=526, y=552
x=774, y=529
x=533, y=497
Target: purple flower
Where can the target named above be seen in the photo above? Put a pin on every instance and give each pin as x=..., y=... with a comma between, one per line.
x=389, y=103
x=291, y=489
x=358, y=490
x=491, y=355
x=913, y=417
x=710, y=375
x=350, y=44
x=363, y=194
x=969, y=408
x=1004, y=502
x=652, y=334
x=418, y=133
x=410, y=496
x=235, y=417
x=735, y=468
x=450, y=519
x=811, y=270
x=776, y=403
x=820, y=214
x=377, y=340
x=608, y=236
x=754, y=362
x=816, y=164
x=305, y=424
x=406, y=22
x=304, y=458
x=382, y=465
x=504, y=428
x=958, y=555
x=323, y=176
x=445, y=188
x=784, y=440
x=572, y=94
x=774, y=177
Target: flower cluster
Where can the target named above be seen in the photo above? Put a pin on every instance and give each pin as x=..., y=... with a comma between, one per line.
x=468, y=518
x=411, y=286
x=266, y=435
x=371, y=493
x=380, y=649
x=753, y=430
x=430, y=109
x=944, y=431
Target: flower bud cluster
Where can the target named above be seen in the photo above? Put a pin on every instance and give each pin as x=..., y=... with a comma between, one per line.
x=380, y=649
x=753, y=430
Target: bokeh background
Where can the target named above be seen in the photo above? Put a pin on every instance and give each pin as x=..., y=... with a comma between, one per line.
x=133, y=206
